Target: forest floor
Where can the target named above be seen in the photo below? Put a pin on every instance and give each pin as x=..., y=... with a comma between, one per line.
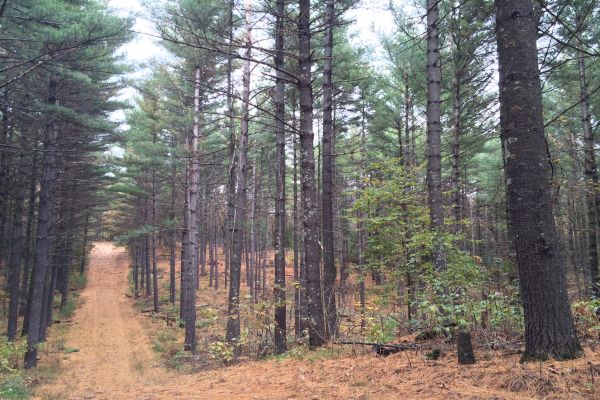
x=108, y=354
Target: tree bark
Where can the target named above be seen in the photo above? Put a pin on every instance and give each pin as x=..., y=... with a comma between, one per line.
x=549, y=328
x=192, y=224
x=310, y=217
x=14, y=266
x=173, y=232
x=233, y=307
x=329, y=270
x=279, y=99
x=42, y=255
x=434, y=133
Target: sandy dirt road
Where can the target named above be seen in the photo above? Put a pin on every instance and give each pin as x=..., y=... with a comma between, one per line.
x=114, y=358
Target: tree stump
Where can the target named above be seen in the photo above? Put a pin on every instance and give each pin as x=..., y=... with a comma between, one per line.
x=464, y=348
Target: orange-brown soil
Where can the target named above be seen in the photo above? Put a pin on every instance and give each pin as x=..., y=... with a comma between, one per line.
x=115, y=361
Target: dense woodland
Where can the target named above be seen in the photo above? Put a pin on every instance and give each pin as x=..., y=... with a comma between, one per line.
x=444, y=184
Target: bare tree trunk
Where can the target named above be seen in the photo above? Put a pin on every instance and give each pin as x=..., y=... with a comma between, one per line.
x=136, y=263
x=42, y=247
x=233, y=308
x=456, y=136
x=549, y=328
x=329, y=270
x=154, y=230
x=279, y=99
x=14, y=267
x=191, y=272
x=434, y=134
x=297, y=287
x=29, y=233
x=173, y=231
x=310, y=217
x=253, y=264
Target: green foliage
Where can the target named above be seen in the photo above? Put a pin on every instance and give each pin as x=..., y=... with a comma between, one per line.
x=396, y=218
x=382, y=329
x=13, y=387
x=221, y=351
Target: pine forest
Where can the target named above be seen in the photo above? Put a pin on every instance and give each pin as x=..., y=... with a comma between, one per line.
x=299, y=199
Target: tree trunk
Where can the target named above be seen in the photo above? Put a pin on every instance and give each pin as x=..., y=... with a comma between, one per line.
x=434, y=133
x=310, y=217
x=456, y=136
x=14, y=266
x=173, y=233
x=297, y=287
x=231, y=175
x=66, y=272
x=233, y=307
x=329, y=271
x=279, y=99
x=42, y=255
x=464, y=348
x=192, y=224
x=549, y=328
x=29, y=233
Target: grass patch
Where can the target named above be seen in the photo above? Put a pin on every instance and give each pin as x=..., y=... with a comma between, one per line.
x=303, y=353
x=13, y=387
x=70, y=350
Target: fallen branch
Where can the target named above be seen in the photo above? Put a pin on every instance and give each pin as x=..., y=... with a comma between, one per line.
x=385, y=349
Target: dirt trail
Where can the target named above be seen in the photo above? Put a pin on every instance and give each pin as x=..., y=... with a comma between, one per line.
x=114, y=357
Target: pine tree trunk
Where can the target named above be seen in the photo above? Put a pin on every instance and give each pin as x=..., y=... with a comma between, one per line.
x=233, y=308
x=329, y=270
x=297, y=287
x=434, y=134
x=549, y=328
x=84, y=244
x=173, y=233
x=42, y=255
x=192, y=224
x=14, y=266
x=29, y=233
x=310, y=216
x=231, y=175
x=279, y=99
x=136, y=267
x=456, y=136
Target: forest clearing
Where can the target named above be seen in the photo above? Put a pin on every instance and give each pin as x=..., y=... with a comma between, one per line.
x=308, y=199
